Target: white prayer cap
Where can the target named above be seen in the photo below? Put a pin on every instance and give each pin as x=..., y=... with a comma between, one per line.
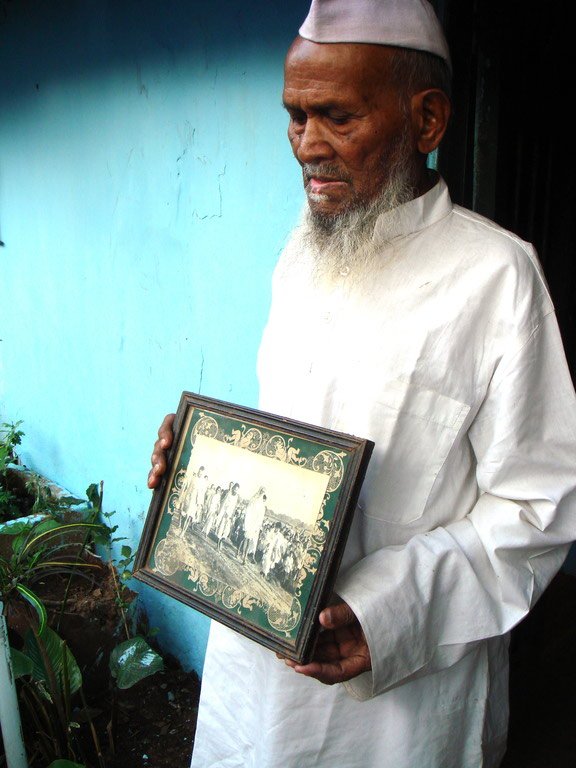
x=402, y=23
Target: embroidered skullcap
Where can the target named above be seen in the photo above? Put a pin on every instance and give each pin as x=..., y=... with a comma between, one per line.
x=402, y=23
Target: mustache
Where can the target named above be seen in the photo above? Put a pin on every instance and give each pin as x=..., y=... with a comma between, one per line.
x=324, y=171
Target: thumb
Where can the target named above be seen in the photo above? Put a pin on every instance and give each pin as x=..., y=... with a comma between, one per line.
x=334, y=616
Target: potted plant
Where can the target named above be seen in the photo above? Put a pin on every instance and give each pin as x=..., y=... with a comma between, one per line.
x=45, y=550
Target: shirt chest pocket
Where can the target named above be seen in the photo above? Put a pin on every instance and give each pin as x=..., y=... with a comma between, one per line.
x=413, y=430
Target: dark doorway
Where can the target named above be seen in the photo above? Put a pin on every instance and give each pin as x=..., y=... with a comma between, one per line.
x=507, y=154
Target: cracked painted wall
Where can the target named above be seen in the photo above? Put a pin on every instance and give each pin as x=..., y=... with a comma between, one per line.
x=146, y=189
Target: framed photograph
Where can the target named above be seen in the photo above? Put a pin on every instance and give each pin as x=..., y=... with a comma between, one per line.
x=250, y=522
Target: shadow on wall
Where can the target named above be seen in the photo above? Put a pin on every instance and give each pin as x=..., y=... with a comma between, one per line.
x=133, y=249
x=94, y=36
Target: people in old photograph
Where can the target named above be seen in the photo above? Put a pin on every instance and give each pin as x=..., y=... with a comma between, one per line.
x=252, y=525
x=212, y=510
x=241, y=539
x=191, y=498
x=227, y=513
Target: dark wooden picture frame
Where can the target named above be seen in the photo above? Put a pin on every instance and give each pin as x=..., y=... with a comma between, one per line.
x=251, y=519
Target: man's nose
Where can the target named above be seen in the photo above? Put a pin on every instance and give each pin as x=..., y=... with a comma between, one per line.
x=312, y=145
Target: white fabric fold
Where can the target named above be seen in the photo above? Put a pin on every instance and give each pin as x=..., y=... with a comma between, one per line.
x=448, y=356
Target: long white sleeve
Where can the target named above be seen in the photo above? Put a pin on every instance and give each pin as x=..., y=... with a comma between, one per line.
x=421, y=604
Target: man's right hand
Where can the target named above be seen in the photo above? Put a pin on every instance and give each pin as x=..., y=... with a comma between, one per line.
x=165, y=438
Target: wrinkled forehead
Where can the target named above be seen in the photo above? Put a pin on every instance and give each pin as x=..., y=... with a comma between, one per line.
x=350, y=66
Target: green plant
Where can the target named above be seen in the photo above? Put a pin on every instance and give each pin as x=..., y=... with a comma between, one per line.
x=38, y=550
x=133, y=659
x=45, y=501
x=10, y=437
x=25, y=492
x=50, y=680
x=50, y=675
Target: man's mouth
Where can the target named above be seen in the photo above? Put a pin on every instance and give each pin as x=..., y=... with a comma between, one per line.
x=323, y=179
x=321, y=185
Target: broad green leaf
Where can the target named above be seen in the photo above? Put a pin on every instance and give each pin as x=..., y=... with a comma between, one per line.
x=132, y=661
x=46, y=524
x=21, y=664
x=65, y=764
x=57, y=531
x=55, y=650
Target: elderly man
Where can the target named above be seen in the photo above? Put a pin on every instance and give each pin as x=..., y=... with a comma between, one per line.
x=429, y=330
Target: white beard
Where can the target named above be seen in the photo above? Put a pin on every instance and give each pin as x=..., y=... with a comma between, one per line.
x=343, y=244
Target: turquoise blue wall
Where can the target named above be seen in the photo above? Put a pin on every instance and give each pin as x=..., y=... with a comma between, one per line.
x=146, y=189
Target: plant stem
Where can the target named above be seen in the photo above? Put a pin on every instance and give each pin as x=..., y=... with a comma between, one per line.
x=95, y=738
x=119, y=599
x=96, y=516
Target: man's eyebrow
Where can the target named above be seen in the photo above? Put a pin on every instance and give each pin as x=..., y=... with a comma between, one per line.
x=325, y=108
x=288, y=105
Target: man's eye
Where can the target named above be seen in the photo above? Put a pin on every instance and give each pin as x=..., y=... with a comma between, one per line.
x=298, y=118
x=339, y=119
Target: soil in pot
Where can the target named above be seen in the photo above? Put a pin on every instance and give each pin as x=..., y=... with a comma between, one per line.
x=155, y=718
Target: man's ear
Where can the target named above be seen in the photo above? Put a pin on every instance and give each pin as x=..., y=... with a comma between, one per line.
x=431, y=113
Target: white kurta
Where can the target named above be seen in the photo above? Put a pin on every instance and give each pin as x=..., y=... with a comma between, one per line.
x=449, y=358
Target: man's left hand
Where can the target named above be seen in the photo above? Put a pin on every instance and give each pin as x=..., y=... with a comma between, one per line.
x=341, y=652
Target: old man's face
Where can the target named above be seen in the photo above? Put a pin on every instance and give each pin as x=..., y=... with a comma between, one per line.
x=347, y=122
